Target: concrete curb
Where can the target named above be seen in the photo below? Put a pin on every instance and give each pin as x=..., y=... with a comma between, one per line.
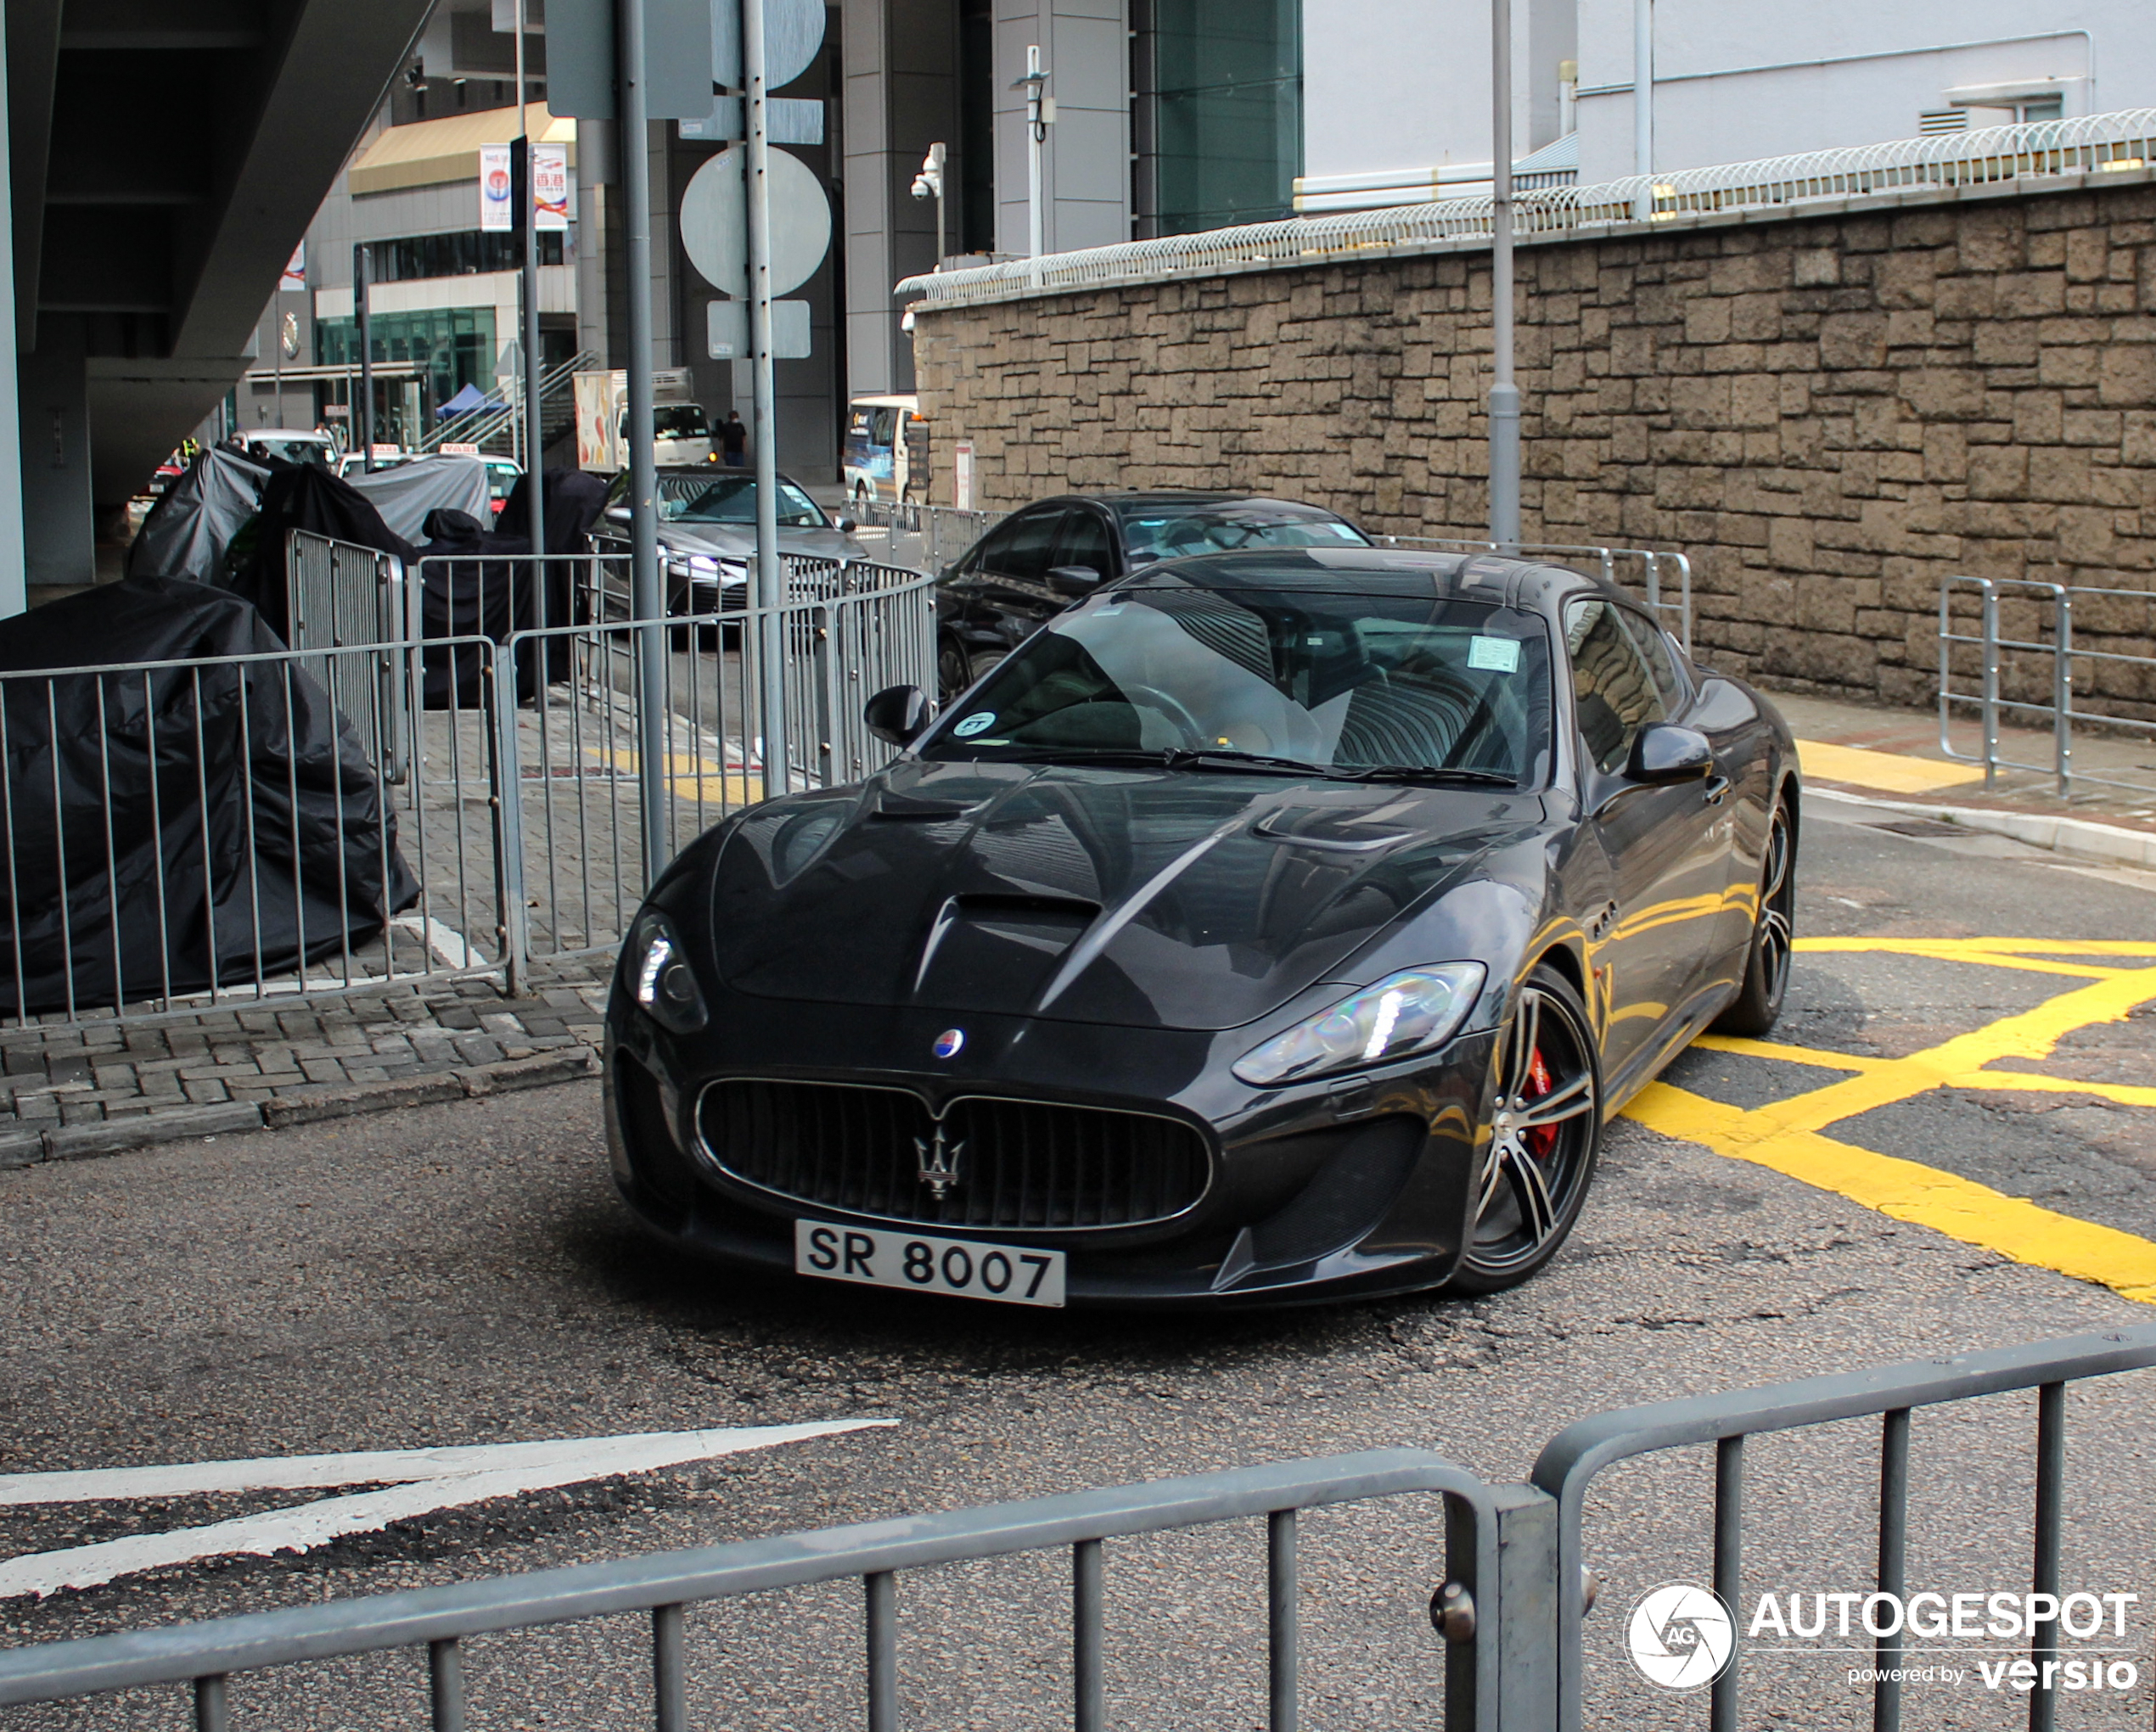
x=2109, y=842
x=24, y=1147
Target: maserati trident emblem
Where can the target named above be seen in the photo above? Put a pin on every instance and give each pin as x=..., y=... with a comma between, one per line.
x=938, y=1163
x=949, y=1041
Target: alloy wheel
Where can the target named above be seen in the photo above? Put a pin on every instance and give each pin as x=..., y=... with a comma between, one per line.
x=1543, y=1131
x=1775, y=937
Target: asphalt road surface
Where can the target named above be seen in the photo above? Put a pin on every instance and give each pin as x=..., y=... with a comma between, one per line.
x=462, y=1275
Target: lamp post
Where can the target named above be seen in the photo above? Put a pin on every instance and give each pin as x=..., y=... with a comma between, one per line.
x=1504, y=395
x=535, y=464
x=363, y=280
x=929, y=184
x=1040, y=111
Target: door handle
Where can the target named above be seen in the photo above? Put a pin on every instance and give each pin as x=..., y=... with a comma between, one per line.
x=1717, y=789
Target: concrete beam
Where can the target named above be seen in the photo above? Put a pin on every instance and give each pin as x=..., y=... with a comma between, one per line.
x=33, y=62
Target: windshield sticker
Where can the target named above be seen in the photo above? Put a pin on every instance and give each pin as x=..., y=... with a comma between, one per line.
x=978, y=722
x=1496, y=655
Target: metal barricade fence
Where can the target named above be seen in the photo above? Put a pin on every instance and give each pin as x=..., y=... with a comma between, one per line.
x=1569, y=1464
x=662, y=1586
x=927, y=536
x=2034, y=651
x=1512, y=1587
x=1656, y=570
x=338, y=595
x=186, y=834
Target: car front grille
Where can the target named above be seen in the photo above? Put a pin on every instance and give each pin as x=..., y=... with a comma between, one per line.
x=1010, y=1163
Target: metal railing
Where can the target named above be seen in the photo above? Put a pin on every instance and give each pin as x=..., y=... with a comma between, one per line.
x=507, y=764
x=1512, y=1594
x=339, y=595
x=1572, y=1460
x=1991, y=156
x=184, y=834
x=1616, y=565
x=477, y=426
x=2038, y=654
x=928, y=537
x=876, y=1553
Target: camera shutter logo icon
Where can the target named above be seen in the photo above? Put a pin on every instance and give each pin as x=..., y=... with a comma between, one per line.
x=1680, y=1636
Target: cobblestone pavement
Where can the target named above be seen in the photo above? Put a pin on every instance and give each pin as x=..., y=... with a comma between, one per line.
x=96, y=1088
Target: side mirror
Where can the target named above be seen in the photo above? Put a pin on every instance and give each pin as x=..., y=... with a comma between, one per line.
x=1665, y=751
x=617, y=513
x=1073, y=579
x=847, y=526
x=898, y=715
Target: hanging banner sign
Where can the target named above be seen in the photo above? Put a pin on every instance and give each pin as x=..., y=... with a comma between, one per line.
x=496, y=213
x=549, y=186
x=295, y=269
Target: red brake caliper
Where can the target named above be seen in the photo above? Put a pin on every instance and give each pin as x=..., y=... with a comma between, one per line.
x=1539, y=1140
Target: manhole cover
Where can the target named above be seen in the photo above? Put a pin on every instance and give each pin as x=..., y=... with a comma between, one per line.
x=1922, y=826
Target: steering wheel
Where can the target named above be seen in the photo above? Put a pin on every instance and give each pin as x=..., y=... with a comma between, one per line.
x=1173, y=711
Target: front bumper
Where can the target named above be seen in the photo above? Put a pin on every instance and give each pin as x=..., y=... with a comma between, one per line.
x=1349, y=1187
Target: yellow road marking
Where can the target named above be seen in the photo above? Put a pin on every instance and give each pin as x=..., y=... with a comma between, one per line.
x=1889, y=771
x=1788, y=1136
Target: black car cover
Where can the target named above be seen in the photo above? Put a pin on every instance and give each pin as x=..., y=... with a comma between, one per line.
x=302, y=496
x=470, y=588
x=177, y=829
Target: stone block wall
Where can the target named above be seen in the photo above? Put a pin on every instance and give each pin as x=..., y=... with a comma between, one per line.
x=1827, y=414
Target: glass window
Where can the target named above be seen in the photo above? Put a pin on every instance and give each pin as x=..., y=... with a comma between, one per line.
x=1085, y=542
x=1669, y=684
x=731, y=499
x=1225, y=113
x=679, y=421
x=1022, y=545
x=1613, y=693
x=1176, y=532
x=1332, y=683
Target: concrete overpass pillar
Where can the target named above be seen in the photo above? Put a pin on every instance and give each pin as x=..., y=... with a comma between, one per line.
x=56, y=512
x=14, y=582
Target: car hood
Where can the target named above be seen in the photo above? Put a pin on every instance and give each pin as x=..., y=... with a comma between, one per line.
x=1136, y=898
x=739, y=542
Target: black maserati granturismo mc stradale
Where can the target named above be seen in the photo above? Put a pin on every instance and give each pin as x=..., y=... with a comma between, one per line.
x=1269, y=926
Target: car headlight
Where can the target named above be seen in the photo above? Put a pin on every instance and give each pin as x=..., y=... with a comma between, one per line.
x=1404, y=1013
x=659, y=976
x=702, y=565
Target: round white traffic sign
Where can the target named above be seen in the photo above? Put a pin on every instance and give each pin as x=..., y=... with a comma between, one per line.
x=714, y=223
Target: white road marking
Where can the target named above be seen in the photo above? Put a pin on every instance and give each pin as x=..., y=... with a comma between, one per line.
x=420, y=1482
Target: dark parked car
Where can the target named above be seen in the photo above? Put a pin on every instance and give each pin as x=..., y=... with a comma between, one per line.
x=1037, y=562
x=707, y=533
x=1267, y=927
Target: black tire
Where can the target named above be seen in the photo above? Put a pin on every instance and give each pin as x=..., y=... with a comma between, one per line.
x=1766, y=957
x=954, y=669
x=1537, y=1164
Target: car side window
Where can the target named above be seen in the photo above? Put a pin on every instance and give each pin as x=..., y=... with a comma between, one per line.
x=1024, y=554
x=1084, y=541
x=1669, y=683
x=1613, y=693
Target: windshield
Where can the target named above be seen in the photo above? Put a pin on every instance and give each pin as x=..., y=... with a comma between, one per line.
x=1174, y=532
x=1312, y=681
x=731, y=499
x=292, y=450
x=679, y=421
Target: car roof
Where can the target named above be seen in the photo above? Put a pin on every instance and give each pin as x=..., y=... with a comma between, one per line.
x=1379, y=571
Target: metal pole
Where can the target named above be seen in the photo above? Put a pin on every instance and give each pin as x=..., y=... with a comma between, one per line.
x=534, y=410
x=363, y=280
x=1036, y=134
x=770, y=585
x=276, y=333
x=1643, y=99
x=644, y=600
x=1504, y=395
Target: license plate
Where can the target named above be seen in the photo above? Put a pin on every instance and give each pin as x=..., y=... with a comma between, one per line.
x=972, y=1270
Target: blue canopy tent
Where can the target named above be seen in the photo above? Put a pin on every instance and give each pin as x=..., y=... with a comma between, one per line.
x=471, y=397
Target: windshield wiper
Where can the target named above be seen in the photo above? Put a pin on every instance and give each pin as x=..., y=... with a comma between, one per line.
x=1436, y=773
x=1229, y=758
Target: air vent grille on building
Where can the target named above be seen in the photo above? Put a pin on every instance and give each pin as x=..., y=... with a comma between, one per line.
x=1944, y=120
